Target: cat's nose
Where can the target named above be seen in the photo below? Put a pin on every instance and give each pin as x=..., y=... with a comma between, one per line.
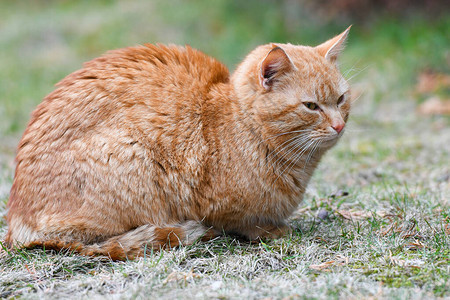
x=338, y=126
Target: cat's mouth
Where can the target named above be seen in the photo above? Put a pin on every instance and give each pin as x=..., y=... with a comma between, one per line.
x=329, y=140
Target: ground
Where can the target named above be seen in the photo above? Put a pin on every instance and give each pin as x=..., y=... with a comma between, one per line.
x=375, y=221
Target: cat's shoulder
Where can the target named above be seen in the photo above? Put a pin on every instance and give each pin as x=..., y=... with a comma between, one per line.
x=158, y=59
x=188, y=59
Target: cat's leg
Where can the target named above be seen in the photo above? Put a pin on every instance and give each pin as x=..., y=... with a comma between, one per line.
x=137, y=242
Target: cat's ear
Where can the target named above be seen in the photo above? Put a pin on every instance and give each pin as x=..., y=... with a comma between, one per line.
x=274, y=64
x=333, y=47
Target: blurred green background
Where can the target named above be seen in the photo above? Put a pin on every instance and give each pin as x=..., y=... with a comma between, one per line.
x=392, y=43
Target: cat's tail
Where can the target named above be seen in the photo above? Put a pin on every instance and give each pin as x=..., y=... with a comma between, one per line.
x=137, y=242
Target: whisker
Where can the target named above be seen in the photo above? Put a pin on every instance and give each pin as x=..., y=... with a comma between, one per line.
x=357, y=98
x=297, y=158
x=275, y=153
x=352, y=68
x=357, y=73
x=290, y=141
x=298, y=155
x=284, y=133
x=319, y=141
x=357, y=130
x=293, y=138
x=298, y=143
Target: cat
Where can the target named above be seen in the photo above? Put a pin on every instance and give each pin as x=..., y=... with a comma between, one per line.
x=156, y=146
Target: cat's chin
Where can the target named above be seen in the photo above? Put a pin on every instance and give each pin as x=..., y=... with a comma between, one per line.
x=327, y=143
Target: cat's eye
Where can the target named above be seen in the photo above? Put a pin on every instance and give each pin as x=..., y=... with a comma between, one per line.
x=311, y=105
x=340, y=100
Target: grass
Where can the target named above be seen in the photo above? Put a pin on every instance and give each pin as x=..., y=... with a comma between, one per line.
x=375, y=221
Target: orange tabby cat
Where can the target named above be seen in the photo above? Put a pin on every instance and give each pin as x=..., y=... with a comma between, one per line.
x=156, y=146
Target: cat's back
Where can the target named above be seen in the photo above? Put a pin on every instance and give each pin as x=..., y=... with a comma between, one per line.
x=143, y=85
x=139, y=74
x=153, y=68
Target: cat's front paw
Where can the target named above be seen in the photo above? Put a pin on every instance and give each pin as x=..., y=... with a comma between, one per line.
x=269, y=232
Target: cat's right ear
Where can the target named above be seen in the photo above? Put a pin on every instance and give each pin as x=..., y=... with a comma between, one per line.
x=333, y=47
x=274, y=64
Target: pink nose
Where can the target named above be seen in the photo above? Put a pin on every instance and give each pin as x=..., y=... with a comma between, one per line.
x=338, y=127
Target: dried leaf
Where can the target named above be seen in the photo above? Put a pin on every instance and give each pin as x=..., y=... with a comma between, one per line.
x=322, y=266
x=398, y=262
x=415, y=245
x=354, y=214
x=435, y=106
x=321, y=239
x=340, y=261
x=176, y=276
x=382, y=214
x=32, y=272
x=429, y=82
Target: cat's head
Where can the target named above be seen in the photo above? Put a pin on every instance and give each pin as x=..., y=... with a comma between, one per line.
x=290, y=91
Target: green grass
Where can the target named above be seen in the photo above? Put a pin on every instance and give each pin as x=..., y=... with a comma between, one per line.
x=385, y=187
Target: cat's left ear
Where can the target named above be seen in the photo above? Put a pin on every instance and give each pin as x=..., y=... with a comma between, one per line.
x=274, y=64
x=333, y=47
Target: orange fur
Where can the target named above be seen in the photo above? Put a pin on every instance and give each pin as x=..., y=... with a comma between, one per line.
x=156, y=146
